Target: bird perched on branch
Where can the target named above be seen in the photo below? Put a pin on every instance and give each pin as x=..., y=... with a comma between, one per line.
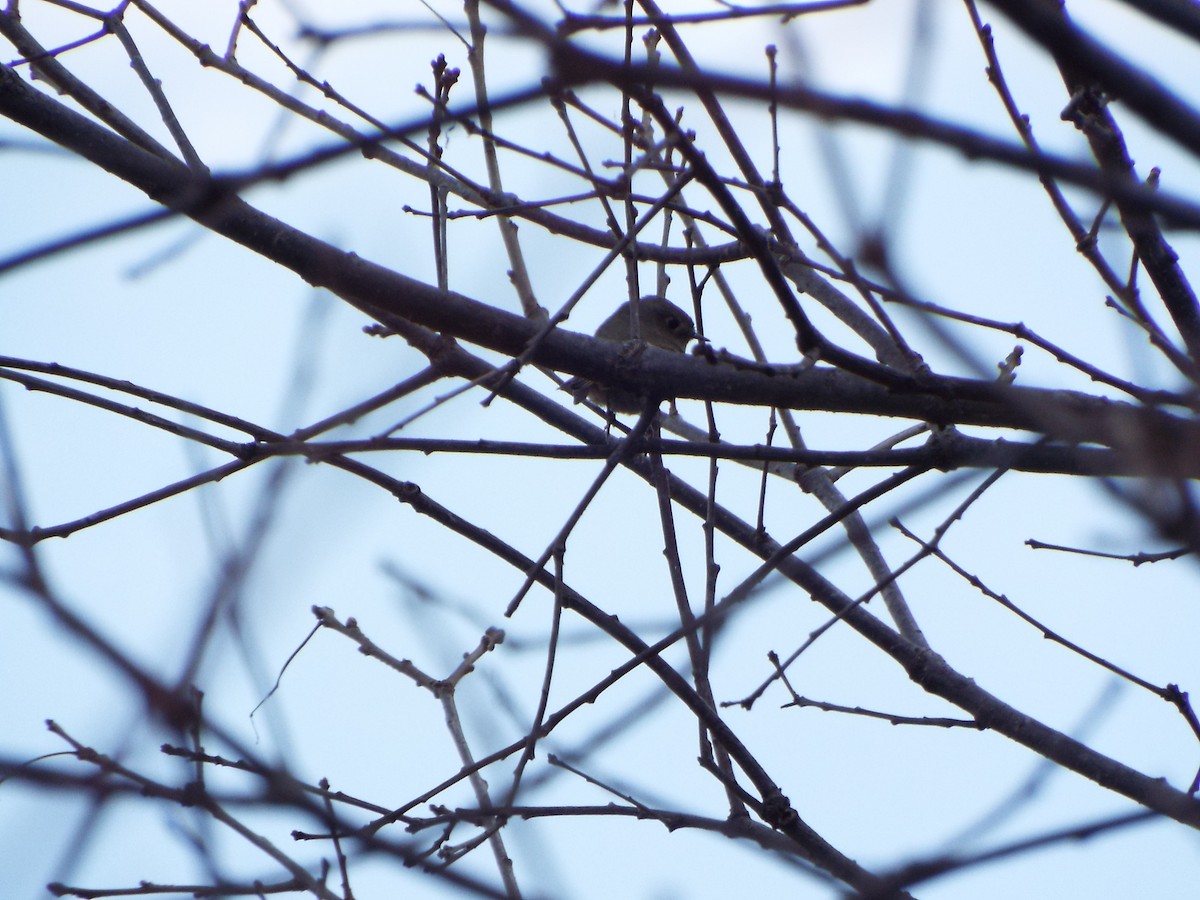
x=660, y=324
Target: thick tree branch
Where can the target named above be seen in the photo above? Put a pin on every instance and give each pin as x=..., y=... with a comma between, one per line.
x=1167, y=444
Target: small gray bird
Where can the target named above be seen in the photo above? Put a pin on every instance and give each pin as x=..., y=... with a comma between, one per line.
x=661, y=324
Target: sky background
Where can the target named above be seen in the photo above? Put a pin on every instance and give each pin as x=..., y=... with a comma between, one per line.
x=182, y=311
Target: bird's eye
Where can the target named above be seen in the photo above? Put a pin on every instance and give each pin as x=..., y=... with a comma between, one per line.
x=672, y=323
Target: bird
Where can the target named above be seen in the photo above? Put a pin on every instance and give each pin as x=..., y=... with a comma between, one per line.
x=660, y=324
